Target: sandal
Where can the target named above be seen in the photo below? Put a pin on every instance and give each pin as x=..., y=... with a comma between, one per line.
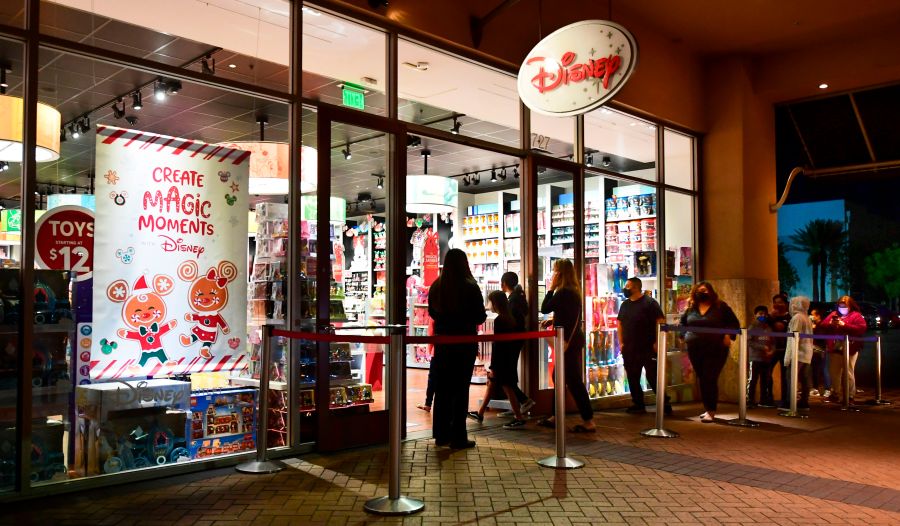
x=475, y=416
x=547, y=423
x=582, y=429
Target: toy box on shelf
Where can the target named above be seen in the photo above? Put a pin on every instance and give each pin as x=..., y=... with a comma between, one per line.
x=47, y=459
x=222, y=421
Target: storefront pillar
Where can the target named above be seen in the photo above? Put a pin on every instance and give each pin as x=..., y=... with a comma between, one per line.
x=739, y=235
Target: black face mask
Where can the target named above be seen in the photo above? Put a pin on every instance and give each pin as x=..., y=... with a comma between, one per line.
x=703, y=296
x=626, y=292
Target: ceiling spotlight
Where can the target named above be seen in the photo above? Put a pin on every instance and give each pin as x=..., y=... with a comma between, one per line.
x=456, y=126
x=159, y=90
x=347, y=154
x=73, y=131
x=590, y=160
x=85, y=124
x=516, y=172
x=4, y=166
x=503, y=174
x=118, y=111
x=465, y=180
x=131, y=119
x=380, y=184
x=493, y=176
x=823, y=86
x=62, y=134
x=607, y=160
x=632, y=124
x=476, y=178
x=232, y=66
x=174, y=86
x=376, y=4
x=136, y=102
x=208, y=65
x=413, y=140
x=3, y=83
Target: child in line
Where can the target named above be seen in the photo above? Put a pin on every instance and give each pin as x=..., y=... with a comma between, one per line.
x=821, y=384
x=761, y=351
x=801, y=323
x=504, y=362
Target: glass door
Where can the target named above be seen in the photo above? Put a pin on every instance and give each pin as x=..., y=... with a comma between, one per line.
x=345, y=230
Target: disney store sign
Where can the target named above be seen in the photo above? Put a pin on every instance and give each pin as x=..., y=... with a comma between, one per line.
x=577, y=68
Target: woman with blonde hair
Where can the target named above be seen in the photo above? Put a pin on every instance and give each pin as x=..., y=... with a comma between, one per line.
x=564, y=300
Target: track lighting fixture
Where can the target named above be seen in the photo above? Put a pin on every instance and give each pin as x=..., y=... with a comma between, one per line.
x=73, y=131
x=136, y=102
x=118, y=108
x=590, y=160
x=377, y=4
x=4, y=166
x=85, y=124
x=493, y=176
x=456, y=126
x=3, y=83
x=516, y=172
x=208, y=65
x=62, y=134
x=346, y=152
x=173, y=86
x=413, y=140
x=503, y=174
x=131, y=119
x=159, y=90
x=607, y=160
x=476, y=178
x=465, y=180
x=380, y=184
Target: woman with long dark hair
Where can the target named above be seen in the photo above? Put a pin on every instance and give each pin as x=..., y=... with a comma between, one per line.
x=564, y=300
x=708, y=352
x=457, y=308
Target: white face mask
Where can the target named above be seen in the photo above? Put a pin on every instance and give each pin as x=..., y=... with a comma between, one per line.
x=843, y=311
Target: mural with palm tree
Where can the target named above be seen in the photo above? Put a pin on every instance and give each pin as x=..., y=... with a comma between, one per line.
x=823, y=241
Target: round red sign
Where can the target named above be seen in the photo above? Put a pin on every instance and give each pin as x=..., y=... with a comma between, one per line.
x=65, y=240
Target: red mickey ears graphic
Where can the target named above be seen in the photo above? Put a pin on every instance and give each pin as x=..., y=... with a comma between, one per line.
x=212, y=276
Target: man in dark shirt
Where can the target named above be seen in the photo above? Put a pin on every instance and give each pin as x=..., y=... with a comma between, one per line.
x=638, y=318
x=779, y=318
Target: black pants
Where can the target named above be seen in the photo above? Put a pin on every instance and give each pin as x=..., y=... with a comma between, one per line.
x=819, y=378
x=778, y=361
x=761, y=373
x=635, y=362
x=451, y=392
x=708, y=360
x=574, y=359
x=804, y=378
x=429, y=389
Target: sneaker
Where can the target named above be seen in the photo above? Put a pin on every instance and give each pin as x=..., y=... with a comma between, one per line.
x=475, y=416
x=667, y=410
x=813, y=392
x=636, y=410
x=514, y=424
x=527, y=405
x=826, y=393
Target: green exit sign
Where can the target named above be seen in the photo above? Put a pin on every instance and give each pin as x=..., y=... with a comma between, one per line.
x=354, y=98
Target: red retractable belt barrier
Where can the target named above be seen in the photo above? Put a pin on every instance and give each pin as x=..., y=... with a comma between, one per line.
x=338, y=338
x=450, y=340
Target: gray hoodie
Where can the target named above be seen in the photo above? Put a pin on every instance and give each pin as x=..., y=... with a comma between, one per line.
x=801, y=323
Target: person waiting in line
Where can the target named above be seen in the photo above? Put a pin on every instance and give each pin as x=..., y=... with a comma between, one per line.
x=800, y=323
x=518, y=305
x=638, y=318
x=778, y=322
x=564, y=300
x=502, y=374
x=821, y=383
x=760, y=355
x=846, y=320
x=708, y=352
x=455, y=304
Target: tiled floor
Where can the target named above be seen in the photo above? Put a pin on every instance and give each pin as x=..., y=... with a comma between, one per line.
x=834, y=468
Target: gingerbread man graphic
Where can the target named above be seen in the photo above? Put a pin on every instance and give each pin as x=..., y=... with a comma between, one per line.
x=207, y=297
x=143, y=311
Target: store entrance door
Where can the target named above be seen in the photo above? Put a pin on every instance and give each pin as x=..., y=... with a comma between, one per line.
x=346, y=220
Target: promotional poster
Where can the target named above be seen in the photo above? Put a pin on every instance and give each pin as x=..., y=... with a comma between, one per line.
x=170, y=249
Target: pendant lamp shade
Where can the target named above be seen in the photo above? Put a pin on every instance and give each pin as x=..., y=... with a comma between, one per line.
x=12, y=115
x=270, y=166
x=431, y=194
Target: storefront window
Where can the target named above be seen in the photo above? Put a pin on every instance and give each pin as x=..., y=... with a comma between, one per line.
x=164, y=348
x=10, y=263
x=343, y=62
x=238, y=41
x=680, y=257
x=448, y=93
x=552, y=136
x=679, y=154
x=620, y=143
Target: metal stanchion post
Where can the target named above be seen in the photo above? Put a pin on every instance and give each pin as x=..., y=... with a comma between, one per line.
x=262, y=464
x=660, y=431
x=560, y=460
x=395, y=503
x=792, y=389
x=878, y=400
x=742, y=419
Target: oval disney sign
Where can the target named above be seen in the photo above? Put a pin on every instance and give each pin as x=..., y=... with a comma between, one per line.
x=577, y=68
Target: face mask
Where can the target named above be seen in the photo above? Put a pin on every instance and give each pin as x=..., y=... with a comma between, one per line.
x=703, y=296
x=626, y=293
x=843, y=311
x=761, y=318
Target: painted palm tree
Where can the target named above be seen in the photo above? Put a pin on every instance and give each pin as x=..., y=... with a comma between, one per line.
x=834, y=238
x=809, y=241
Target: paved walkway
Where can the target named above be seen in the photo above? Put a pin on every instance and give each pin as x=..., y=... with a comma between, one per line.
x=834, y=468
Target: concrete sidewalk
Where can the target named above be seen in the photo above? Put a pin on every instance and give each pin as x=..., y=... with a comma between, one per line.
x=833, y=468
